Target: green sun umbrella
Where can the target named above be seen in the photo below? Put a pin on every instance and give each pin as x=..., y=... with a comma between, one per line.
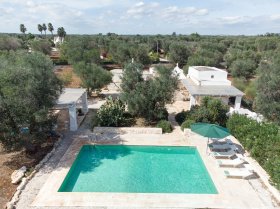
x=210, y=130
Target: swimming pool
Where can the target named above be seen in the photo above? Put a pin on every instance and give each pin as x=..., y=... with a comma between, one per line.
x=138, y=169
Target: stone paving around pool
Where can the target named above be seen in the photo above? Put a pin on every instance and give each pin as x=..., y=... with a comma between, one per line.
x=41, y=191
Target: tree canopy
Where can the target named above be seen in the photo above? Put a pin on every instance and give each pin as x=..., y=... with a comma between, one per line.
x=179, y=52
x=9, y=43
x=211, y=110
x=147, y=98
x=93, y=76
x=268, y=89
x=28, y=88
x=22, y=28
x=80, y=49
x=41, y=45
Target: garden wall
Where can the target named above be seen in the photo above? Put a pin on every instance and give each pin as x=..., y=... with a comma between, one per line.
x=127, y=130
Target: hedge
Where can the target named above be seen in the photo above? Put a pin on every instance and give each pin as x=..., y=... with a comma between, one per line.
x=262, y=140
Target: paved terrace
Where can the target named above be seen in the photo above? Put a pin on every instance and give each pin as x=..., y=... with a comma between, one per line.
x=41, y=191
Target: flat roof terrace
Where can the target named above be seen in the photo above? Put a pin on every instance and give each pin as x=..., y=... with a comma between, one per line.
x=70, y=95
x=219, y=90
x=204, y=68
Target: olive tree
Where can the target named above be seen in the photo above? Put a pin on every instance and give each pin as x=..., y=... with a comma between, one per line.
x=147, y=98
x=268, y=89
x=179, y=52
x=28, y=88
x=93, y=76
x=80, y=49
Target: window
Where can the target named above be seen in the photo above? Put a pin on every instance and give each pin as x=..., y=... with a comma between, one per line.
x=212, y=76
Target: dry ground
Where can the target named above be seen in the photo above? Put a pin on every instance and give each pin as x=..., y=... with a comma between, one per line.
x=67, y=70
x=10, y=161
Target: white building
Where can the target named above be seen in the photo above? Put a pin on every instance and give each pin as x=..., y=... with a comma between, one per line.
x=179, y=72
x=210, y=81
x=58, y=40
x=208, y=76
x=69, y=99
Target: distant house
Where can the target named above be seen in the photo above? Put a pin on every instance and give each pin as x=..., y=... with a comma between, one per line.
x=58, y=40
x=210, y=81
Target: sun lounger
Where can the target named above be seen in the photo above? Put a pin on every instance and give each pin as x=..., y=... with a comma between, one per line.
x=221, y=141
x=239, y=174
x=223, y=147
x=220, y=147
x=237, y=162
x=224, y=155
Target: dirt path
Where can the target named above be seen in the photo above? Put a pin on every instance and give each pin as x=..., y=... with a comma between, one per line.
x=6, y=188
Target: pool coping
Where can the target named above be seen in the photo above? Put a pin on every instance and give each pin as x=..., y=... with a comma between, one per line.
x=49, y=195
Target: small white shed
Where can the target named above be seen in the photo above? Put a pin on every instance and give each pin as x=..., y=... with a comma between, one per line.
x=69, y=99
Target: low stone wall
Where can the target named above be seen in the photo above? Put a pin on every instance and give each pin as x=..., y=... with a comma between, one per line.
x=127, y=130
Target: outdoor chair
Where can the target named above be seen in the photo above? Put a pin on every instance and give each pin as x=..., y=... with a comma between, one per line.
x=220, y=147
x=224, y=155
x=237, y=162
x=242, y=173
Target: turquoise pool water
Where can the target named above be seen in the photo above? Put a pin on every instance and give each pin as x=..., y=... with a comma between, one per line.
x=138, y=169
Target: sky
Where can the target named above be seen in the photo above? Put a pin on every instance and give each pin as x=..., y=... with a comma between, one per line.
x=206, y=17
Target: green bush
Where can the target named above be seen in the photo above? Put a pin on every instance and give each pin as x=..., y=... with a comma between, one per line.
x=262, y=140
x=111, y=113
x=187, y=124
x=211, y=110
x=162, y=114
x=165, y=125
x=154, y=57
x=181, y=117
x=129, y=120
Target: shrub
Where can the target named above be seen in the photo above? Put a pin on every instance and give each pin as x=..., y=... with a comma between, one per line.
x=262, y=140
x=187, y=124
x=165, y=125
x=111, y=113
x=154, y=57
x=43, y=46
x=162, y=114
x=211, y=111
x=181, y=117
x=129, y=119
